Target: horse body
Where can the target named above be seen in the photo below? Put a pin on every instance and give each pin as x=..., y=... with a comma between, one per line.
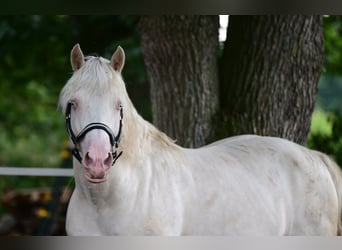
x=244, y=192
x=244, y=185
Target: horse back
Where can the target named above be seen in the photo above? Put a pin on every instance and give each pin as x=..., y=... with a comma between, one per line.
x=304, y=184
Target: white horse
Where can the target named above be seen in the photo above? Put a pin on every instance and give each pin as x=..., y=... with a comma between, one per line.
x=131, y=179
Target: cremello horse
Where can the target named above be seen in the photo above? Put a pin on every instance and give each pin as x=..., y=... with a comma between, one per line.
x=131, y=179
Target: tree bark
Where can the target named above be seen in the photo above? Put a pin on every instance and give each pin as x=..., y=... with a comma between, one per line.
x=269, y=75
x=180, y=54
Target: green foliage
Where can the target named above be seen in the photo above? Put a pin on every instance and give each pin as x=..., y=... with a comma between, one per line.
x=326, y=127
x=31, y=74
x=320, y=123
x=329, y=143
x=333, y=44
x=330, y=92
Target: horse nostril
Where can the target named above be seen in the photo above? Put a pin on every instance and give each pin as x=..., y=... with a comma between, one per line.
x=88, y=161
x=91, y=162
x=108, y=161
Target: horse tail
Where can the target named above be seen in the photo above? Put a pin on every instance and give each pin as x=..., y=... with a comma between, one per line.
x=336, y=175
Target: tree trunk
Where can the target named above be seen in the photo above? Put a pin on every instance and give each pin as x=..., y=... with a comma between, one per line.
x=180, y=54
x=270, y=70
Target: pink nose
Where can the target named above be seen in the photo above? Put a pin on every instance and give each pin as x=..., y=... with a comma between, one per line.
x=96, y=165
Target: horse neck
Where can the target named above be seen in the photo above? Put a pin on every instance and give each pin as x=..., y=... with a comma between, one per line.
x=140, y=138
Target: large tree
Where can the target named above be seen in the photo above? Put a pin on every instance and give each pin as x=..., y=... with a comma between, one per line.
x=268, y=75
x=180, y=54
x=270, y=70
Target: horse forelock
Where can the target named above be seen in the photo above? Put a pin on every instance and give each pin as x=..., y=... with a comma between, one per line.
x=95, y=78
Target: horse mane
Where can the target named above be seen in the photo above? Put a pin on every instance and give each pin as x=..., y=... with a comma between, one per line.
x=97, y=77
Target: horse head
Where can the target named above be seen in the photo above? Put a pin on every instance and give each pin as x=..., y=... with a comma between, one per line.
x=93, y=105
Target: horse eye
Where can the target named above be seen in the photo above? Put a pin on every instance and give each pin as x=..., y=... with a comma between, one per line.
x=118, y=105
x=75, y=103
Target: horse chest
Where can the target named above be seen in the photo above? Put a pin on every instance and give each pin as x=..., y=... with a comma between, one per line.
x=124, y=218
x=87, y=218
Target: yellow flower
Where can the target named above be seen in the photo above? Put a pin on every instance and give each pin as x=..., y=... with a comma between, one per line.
x=43, y=213
x=47, y=196
x=65, y=154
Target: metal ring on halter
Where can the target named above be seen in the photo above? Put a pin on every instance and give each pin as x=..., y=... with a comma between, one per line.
x=76, y=139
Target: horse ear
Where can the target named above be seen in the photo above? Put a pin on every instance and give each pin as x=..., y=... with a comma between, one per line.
x=118, y=59
x=76, y=57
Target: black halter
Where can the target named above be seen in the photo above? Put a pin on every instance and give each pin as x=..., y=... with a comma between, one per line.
x=114, y=140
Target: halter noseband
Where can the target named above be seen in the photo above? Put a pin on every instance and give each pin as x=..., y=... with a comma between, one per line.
x=76, y=139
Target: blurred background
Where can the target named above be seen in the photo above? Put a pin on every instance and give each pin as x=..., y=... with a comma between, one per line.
x=35, y=65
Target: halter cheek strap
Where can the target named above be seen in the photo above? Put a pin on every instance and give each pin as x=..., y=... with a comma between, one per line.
x=76, y=140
